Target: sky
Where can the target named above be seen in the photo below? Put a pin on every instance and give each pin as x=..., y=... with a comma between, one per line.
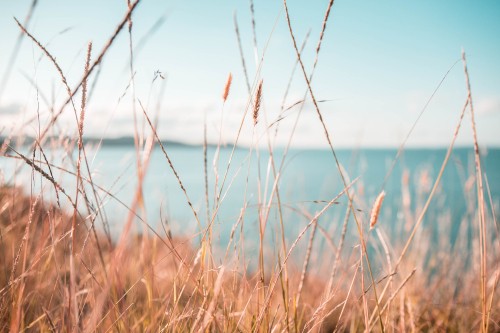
x=379, y=64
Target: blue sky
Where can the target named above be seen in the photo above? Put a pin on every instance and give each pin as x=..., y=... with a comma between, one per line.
x=379, y=63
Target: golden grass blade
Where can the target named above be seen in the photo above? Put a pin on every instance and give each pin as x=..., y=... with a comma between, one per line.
x=257, y=102
x=227, y=87
x=376, y=209
x=330, y=144
x=480, y=202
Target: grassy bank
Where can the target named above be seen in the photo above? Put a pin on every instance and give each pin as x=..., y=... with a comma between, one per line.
x=147, y=283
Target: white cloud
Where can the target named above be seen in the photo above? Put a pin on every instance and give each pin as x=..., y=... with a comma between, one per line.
x=488, y=105
x=10, y=109
x=415, y=100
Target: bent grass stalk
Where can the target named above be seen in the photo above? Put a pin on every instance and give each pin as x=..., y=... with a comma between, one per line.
x=429, y=198
x=242, y=56
x=328, y=139
x=171, y=165
x=277, y=174
x=15, y=50
x=292, y=247
x=480, y=202
x=71, y=93
x=96, y=62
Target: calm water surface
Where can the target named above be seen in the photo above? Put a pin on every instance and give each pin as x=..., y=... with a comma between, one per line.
x=308, y=178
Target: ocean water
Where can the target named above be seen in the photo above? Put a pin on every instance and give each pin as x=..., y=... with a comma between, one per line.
x=308, y=179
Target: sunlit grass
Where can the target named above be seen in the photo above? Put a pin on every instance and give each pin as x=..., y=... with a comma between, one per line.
x=62, y=270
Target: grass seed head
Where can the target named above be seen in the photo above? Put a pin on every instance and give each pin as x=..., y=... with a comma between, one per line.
x=258, y=99
x=227, y=87
x=376, y=209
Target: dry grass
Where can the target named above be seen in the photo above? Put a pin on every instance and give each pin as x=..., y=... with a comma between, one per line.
x=256, y=105
x=153, y=288
x=58, y=272
x=376, y=209
x=227, y=87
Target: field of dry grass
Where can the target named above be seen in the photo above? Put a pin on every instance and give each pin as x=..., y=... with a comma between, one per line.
x=148, y=283
x=60, y=270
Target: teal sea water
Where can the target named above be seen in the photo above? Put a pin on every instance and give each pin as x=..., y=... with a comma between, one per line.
x=309, y=178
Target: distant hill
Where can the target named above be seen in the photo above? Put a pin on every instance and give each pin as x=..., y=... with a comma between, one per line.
x=120, y=141
x=129, y=141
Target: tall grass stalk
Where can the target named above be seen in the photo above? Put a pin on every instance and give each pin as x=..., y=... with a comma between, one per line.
x=480, y=202
x=430, y=196
x=328, y=139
